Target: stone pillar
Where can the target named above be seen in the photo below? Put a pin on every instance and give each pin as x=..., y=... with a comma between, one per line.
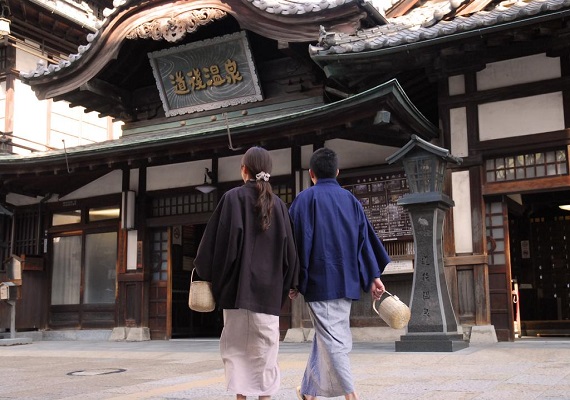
x=433, y=325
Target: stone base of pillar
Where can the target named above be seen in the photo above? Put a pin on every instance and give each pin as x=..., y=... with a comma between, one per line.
x=483, y=334
x=130, y=334
x=431, y=342
x=15, y=341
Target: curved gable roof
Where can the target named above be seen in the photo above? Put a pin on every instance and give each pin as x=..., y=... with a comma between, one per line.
x=281, y=20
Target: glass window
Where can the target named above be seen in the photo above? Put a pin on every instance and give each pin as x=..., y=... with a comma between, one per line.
x=526, y=166
x=104, y=213
x=100, y=268
x=66, y=276
x=66, y=217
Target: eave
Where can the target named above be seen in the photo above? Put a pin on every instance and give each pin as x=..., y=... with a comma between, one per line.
x=353, y=118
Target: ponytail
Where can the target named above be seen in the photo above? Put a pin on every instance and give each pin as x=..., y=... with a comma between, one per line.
x=264, y=204
x=258, y=162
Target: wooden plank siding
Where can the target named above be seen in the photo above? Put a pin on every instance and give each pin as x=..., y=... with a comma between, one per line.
x=466, y=277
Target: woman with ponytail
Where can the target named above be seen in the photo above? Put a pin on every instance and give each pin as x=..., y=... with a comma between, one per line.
x=248, y=253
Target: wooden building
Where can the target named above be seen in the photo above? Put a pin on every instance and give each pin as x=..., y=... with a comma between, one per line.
x=115, y=224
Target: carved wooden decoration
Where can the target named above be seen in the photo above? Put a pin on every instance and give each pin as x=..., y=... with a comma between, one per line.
x=174, y=28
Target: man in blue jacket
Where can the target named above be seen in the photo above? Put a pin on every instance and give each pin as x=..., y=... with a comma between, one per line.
x=340, y=254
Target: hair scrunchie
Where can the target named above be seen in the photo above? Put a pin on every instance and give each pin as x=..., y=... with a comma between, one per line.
x=262, y=175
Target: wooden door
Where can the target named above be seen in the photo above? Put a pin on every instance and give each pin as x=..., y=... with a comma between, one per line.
x=498, y=249
x=159, y=315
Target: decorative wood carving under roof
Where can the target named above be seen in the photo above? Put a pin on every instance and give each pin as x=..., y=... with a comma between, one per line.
x=84, y=79
x=349, y=36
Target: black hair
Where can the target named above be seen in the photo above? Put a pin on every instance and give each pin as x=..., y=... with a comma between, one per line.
x=257, y=160
x=324, y=163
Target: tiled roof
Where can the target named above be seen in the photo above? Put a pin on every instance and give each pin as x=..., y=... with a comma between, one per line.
x=429, y=19
x=434, y=19
x=294, y=7
x=274, y=7
x=305, y=112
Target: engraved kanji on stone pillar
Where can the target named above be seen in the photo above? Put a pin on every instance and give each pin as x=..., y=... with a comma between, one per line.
x=433, y=325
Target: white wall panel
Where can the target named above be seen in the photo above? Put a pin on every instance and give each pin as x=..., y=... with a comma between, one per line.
x=517, y=71
x=524, y=116
x=30, y=117
x=461, y=194
x=229, y=167
x=21, y=200
x=306, y=153
x=177, y=175
x=107, y=184
x=458, y=128
x=456, y=85
x=134, y=180
x=357, y=154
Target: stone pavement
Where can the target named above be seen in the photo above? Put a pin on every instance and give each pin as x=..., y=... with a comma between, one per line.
x=192, y=369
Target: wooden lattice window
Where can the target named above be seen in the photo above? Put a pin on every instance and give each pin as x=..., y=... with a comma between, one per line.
x=285, y=193
x=183, y=204
x=159, y=255
x=527, y=166
x=3, y=58
x=27, y=231
x=495, y=230
x=5, y=232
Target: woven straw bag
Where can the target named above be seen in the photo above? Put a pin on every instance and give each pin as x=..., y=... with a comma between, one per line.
x=393, y=311
x=200, y=298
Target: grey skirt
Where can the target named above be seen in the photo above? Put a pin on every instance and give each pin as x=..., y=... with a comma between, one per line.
x=249, y=346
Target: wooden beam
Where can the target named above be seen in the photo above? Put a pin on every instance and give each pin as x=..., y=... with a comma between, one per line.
x=470, y=259
x=527, y=186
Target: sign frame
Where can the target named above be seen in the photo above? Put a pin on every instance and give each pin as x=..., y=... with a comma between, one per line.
x=185, y=64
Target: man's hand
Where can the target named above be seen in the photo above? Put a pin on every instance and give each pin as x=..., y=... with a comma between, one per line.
x=293, y=293
x=377, y=289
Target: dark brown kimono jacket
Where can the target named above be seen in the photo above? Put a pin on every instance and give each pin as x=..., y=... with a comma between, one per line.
x=248, y=268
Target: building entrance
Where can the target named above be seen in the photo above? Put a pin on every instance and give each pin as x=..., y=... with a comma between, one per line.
x=185, y=322
x=539, y=232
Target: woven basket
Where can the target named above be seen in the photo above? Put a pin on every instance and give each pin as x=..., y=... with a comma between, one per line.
x=200, y=298
x=393, y=311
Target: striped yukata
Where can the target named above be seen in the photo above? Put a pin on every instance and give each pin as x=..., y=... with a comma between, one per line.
x=328, y=368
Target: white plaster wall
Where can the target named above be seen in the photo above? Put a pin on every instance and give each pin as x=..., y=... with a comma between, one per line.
x=3, y=106
x=281, y=162
x=458, y=128
x=20, y=200
x=177, y=175
x=523, y=116
x=462, y=223
x=192, y=173
x=30, y=117
x=516, y=71
x=25, y=61
x=306, y=153
x=456, y=85
x=107, y=184
x=229, y=167
x=132, y=250
x=134, y=180
x=357, y=154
